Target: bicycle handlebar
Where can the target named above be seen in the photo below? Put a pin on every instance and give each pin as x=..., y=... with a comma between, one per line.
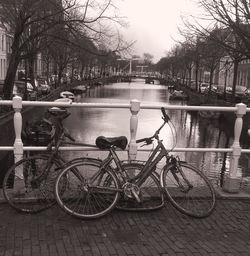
x=165, y=116
x=149, y=140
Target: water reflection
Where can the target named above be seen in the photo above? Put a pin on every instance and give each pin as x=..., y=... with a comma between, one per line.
x=192, y=131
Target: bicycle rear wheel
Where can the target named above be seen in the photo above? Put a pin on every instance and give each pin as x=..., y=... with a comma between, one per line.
x=24, y=190
x=89, y=192
x=188, y=189
x=151, y=195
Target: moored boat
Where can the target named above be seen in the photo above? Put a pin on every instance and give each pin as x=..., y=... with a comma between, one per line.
x=178, y=95
x=67, y=94
x=79, y=89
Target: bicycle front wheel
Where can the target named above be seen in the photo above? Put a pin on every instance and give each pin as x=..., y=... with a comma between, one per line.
x=28, y=186
x=89, y=191
x=188, y=189
x=150, y=192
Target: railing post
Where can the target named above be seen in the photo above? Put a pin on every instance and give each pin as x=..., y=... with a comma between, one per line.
x=232, y=181
x=134, y=108
x=18, y=144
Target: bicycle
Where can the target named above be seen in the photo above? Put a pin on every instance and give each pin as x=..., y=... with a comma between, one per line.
x=28, y=185
x=95, y=187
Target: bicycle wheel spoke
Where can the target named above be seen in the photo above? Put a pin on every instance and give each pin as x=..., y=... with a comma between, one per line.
x=85, y=196
x=151, y=196
x=28, y=186
x=188, y=190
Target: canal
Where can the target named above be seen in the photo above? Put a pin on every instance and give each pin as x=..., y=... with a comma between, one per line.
x=192, y=130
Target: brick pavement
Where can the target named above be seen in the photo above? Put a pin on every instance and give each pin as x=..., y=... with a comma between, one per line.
x=162, y=232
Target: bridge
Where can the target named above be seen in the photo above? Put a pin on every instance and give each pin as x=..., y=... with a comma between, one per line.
x=134, y=106
x=149, y=78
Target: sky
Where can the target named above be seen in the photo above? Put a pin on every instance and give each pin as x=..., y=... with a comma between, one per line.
x=153, y=24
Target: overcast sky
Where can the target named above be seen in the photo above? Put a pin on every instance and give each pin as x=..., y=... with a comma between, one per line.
x=153, y=24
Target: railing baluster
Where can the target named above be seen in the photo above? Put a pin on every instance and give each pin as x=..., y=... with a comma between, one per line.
x=18, y=144
x=135, y=108
x=232, y=181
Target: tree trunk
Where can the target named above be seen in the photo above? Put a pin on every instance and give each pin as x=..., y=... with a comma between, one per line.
x=81, y=72
x=196, y=77
x=47, y=70
x=11, y=74
x=210, y=84
x=60, y=72
x=236, y=64
x=31, y=71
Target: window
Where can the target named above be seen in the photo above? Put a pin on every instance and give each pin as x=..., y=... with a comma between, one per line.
x=1, y=68
x=2, y=42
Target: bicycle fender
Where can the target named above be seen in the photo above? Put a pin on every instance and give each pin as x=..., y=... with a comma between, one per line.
x=83, y=159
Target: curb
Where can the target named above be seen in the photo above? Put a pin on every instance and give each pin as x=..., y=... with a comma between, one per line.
x=220, y=194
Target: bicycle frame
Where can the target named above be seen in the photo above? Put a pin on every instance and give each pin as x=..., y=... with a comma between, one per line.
x=112, y=156
x=148, y=168
x=157, y=155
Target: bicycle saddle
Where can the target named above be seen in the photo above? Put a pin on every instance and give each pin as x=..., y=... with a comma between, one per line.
x=106, y=143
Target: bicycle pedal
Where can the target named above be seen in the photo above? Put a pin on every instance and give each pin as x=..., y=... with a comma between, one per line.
x=136, y=195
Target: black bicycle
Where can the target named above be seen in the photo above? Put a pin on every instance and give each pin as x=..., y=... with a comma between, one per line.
x=28, y=185
x=95, y=187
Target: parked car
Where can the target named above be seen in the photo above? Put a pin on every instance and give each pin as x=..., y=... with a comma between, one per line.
x=214, y=88
x=20, y=90
x=219, y=90
x=204, y=87
x=193, y=85
x=31, y=92
x=43, y=86
x=241, y=92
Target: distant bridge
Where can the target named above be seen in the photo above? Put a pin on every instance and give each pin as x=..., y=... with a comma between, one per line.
x=149, y=79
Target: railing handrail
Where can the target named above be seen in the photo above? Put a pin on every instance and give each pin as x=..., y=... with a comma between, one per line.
x=134, y=106
x=121, y=105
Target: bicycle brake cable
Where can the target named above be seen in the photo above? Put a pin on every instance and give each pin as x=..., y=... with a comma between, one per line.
x=175, y=133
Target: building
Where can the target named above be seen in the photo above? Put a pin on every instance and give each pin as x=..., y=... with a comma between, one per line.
x=4, y=50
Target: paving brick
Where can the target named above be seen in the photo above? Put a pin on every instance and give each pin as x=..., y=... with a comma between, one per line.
x=163, y=232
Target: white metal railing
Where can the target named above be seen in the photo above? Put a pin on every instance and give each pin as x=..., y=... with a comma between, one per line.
x=134, y=106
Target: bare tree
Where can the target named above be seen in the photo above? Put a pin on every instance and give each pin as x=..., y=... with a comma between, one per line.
x=228, y=24
x=31, y=21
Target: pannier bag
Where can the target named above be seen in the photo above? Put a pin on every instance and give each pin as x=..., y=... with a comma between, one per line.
x=38, y=133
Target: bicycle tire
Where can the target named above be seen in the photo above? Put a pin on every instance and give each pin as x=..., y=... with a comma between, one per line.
x=151, y=194
x=198, y=201
x=20, y=190
x=82, y=198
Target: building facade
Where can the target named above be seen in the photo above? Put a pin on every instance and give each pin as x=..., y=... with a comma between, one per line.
x=4, y=48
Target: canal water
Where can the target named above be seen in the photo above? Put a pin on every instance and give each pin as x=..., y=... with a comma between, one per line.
x=86, y=124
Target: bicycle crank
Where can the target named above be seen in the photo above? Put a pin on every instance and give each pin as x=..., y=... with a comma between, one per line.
x=132, y=191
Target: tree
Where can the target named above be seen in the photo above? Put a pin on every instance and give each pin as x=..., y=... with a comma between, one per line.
x=33, y=21
x=148, y=58
x=211, y=56
x=229, y=23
